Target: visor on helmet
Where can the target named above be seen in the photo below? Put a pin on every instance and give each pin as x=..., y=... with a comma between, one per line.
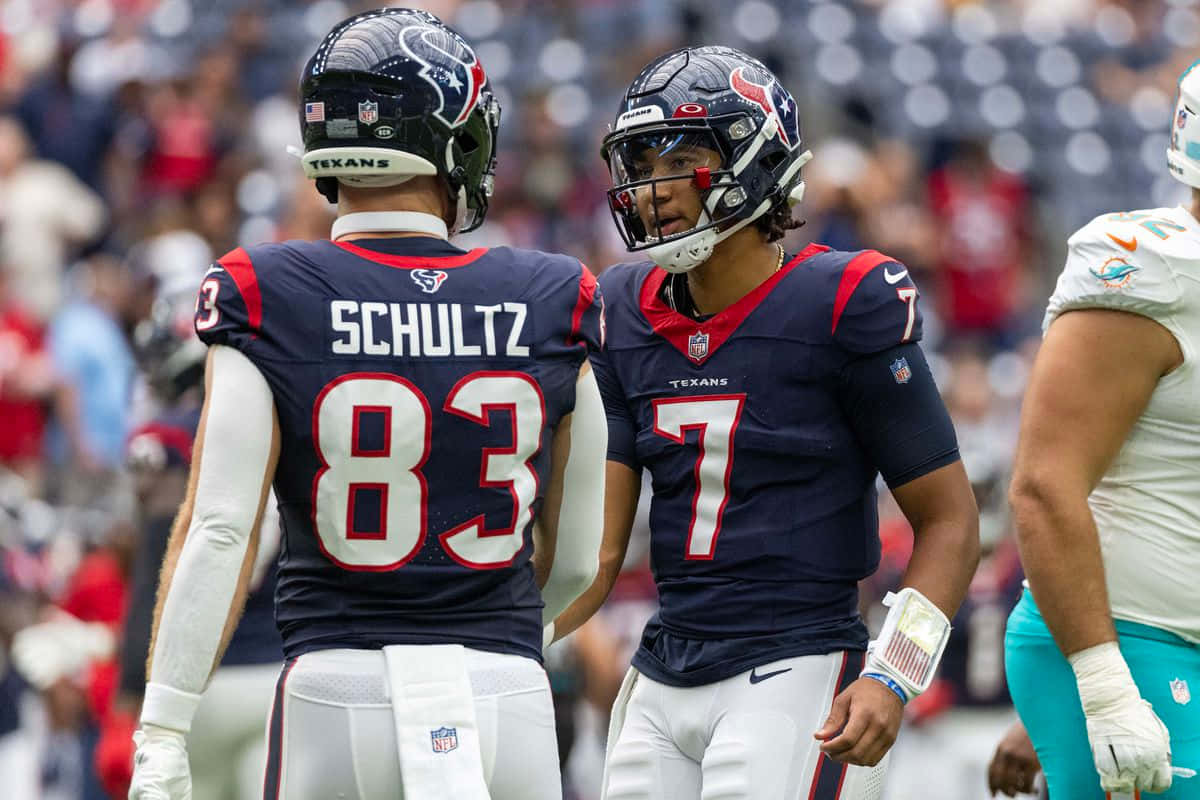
x=642, y=160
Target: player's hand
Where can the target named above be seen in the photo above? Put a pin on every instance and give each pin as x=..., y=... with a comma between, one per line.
x=1131, y=747
x=1014, y=764
x=862, y=724
x=160, y=766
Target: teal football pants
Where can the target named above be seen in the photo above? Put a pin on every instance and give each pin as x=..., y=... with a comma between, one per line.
x=1165, y=667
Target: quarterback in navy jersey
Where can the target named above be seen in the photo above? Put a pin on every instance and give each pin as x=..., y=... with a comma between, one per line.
x=764, y=392
x=429, y=421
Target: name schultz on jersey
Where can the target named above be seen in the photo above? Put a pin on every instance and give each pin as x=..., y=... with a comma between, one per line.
x=425, y=329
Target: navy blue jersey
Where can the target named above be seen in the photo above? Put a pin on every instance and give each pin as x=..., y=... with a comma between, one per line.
x=763, y=448
x=165, y=443
x=417, y=387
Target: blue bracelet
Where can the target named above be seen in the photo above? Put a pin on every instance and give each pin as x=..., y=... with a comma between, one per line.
x=891, y=684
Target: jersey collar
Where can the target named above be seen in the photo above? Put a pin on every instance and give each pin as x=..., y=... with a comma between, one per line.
x=389, y=221
x=699, y=340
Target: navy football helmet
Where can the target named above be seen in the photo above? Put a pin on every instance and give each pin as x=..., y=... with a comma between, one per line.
x=394, y=93
x=712, y=98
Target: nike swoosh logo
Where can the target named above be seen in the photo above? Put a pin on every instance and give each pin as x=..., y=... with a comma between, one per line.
x=1129, y=245
x=894, y=277
x=756, y=678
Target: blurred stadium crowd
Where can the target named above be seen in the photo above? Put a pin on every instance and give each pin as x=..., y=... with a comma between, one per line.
x=139, y=139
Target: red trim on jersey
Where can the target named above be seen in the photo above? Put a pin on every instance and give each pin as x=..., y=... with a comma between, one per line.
x=177, y=439
x=413, y=262
x=587, y=295
x=237, y=263
x=852, y=275
x=479, y=523
x=381, y=530
x=677, y=328
x=356, y=449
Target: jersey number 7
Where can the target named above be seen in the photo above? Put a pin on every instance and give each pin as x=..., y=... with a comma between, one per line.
x=387, y=474
x=716, y=418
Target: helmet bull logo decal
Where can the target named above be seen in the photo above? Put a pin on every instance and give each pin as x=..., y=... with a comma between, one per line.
x=443, y=64
x=772, y=99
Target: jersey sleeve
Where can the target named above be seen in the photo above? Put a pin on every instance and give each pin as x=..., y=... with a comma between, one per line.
x=622, y=429
x=897, y=413
x=876, y=305
x=1114, y=264
x=229, y=306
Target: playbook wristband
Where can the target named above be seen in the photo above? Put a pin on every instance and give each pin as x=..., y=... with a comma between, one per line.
x=168, y=707
x=911, y=642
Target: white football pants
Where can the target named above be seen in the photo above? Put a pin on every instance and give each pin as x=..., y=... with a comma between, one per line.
x=736, y=740
x=226, y=749
x=332, y=732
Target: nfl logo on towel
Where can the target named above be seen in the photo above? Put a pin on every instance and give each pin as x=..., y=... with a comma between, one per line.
x=900, y=370
x=444, y=739
x=697, y=346
x=368, y=112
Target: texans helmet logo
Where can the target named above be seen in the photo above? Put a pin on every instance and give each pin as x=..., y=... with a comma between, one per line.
x=430, y=280
x=449, y=66
x=773, y=100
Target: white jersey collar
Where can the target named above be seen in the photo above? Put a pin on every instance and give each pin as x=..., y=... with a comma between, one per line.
x=389, y=221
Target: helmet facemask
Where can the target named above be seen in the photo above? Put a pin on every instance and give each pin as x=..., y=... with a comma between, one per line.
x=725, y=203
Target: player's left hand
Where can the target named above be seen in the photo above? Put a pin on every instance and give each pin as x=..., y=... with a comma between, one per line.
x=160, y=766
x=862, y=724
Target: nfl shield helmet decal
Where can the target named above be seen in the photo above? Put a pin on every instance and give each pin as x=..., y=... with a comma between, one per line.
x=900, y=370
x=444, y=739
x=1180, y=691
x=698, y=346
x=368, y=112
x=430, y=280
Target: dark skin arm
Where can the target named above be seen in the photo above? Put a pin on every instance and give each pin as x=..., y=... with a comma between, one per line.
x=940, y=506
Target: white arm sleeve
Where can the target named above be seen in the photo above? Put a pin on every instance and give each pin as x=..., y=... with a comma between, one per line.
x=581, y=517
x=234, y=457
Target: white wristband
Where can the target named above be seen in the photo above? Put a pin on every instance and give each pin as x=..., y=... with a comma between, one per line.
x=1103, y=677
x=168, y=707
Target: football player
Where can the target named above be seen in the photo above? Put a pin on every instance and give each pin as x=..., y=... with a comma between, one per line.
x=764, y=391
x=1102, y=653
x=225, y=745
x=429, y=422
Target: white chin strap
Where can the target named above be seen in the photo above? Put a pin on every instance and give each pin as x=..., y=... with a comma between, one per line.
x=688, y=252
x=388, y=222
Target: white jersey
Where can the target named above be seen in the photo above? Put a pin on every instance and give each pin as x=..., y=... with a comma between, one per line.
x=1147, y=505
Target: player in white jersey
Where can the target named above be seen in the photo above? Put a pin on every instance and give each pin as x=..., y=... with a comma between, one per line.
x=1106, y=504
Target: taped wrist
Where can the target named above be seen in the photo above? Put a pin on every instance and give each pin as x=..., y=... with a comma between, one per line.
x=911, y=643
x=1103, y=678
x=167, y=707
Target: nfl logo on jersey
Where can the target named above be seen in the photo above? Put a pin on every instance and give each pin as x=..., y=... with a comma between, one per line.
x=900, y=370
x=697, y=346
x=368, y=112
x=1180, y=691
x=444, y=739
